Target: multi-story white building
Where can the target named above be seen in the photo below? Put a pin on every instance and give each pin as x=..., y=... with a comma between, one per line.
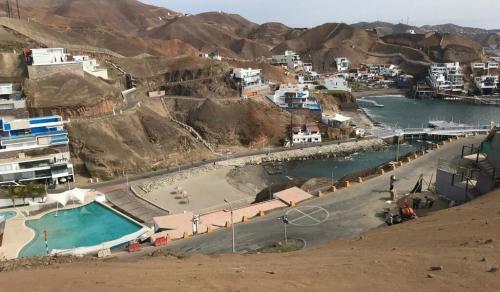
x=308, y=67
x=342, y=64
x=304, y=134
x=446, y=77
x=337, y=83
x=34, y=149
x=294, y=96
x=290, y=60
x=248, y=77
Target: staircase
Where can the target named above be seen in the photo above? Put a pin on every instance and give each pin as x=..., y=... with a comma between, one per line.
x=188, y=128
x=487, y=168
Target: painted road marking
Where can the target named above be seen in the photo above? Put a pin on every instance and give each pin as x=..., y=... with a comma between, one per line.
x=307, y=216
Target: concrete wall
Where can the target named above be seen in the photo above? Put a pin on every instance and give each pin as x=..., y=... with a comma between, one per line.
x=41, y=71
x=494, y=154
x=444, y=186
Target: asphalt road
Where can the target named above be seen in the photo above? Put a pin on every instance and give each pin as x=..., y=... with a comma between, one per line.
x=345, y=213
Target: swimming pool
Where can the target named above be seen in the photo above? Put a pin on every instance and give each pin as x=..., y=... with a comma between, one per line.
x=86, y=226
x=7, y=214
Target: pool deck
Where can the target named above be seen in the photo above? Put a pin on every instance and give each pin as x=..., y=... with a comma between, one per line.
x=17, y=234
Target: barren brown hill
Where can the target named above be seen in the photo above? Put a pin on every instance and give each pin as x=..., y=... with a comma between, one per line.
x=126, y=16
x=71, y=95
x=440, y=47
x=209, y=32
x=271, y=33
x=451, y=250
x=240, y=123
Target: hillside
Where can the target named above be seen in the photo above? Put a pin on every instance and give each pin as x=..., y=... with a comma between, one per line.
x=399, y=257
x=214, y=31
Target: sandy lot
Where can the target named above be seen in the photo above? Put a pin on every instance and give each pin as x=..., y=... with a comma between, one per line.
x=206, y=191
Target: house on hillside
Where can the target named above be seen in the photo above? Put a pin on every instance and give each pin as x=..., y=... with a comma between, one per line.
x=294, y=96
x=250, y=82
x=47, y=61
x=342, y=64
x=34, y=149
x=304, y=134
x=289, y=60
x=11, y=97
x=337, y=83
x=446, y=77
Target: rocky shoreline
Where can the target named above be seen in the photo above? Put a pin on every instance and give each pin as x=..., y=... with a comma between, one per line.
x=319, y=152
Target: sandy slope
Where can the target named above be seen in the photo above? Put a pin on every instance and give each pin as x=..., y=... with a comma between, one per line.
x=464, y=241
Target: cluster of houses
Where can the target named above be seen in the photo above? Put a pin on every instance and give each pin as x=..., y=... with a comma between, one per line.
x=37, y=148
x=448, y=78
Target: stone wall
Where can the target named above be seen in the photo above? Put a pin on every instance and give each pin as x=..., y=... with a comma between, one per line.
x=41, y=71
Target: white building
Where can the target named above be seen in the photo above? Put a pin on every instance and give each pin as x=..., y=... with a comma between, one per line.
x=6, y=88
x=248, y=77
x=58, y=56
x=487, y=84
x=290, y=60
x=446, y=77
x=90, y=66
x=342, y=64
x=49, y=56
x=305, y=134
x=337, y=83
x=484, y=66
x=337, y=120
x=294, y=96
x=308, y=67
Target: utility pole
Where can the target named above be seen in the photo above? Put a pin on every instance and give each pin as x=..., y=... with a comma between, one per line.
x=232, y=225
x=9, y=12
x=18, y=11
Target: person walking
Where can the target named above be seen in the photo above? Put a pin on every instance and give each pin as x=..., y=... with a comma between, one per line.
x=391, y=187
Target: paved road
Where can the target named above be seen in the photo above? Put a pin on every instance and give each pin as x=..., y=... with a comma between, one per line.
x=351, y=211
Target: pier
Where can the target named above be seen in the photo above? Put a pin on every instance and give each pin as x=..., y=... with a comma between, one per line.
x=435, y=129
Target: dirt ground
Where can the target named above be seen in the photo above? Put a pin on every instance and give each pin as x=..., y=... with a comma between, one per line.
x=428, y=254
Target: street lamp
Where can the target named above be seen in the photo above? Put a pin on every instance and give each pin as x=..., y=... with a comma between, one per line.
x=232, y=223
x=284, y=220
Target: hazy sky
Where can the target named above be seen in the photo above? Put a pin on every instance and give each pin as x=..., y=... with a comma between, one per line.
x=306, y=13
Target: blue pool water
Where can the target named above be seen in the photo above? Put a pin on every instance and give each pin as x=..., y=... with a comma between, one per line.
x=89, y=225
x=7, y=214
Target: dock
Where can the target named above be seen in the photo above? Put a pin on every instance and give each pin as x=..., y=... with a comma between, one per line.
x=436, y=129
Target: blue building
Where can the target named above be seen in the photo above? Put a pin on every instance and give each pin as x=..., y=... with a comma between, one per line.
x=34, y=149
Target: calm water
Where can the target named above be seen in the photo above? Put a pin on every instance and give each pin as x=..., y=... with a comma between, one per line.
x=412, y=113
x=89, y=225
x=405, y=113
x=341, y=167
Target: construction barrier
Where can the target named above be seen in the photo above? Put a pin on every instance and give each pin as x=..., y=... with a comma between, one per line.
x=320, y=194
x=134, y=247
x=381, y=171
x=393, y=166
x=334, y=189
x=292, y=204
x=261, y=213
x=209, y=228
x=244, y=219
x=408, y=159
x=347, y=184
x=185, y=235
x=401, y=163
x=160, y=241
x=228, y=224
x=360, y=180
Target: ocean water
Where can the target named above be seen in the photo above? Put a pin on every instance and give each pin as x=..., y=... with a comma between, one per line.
x=415, y=113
